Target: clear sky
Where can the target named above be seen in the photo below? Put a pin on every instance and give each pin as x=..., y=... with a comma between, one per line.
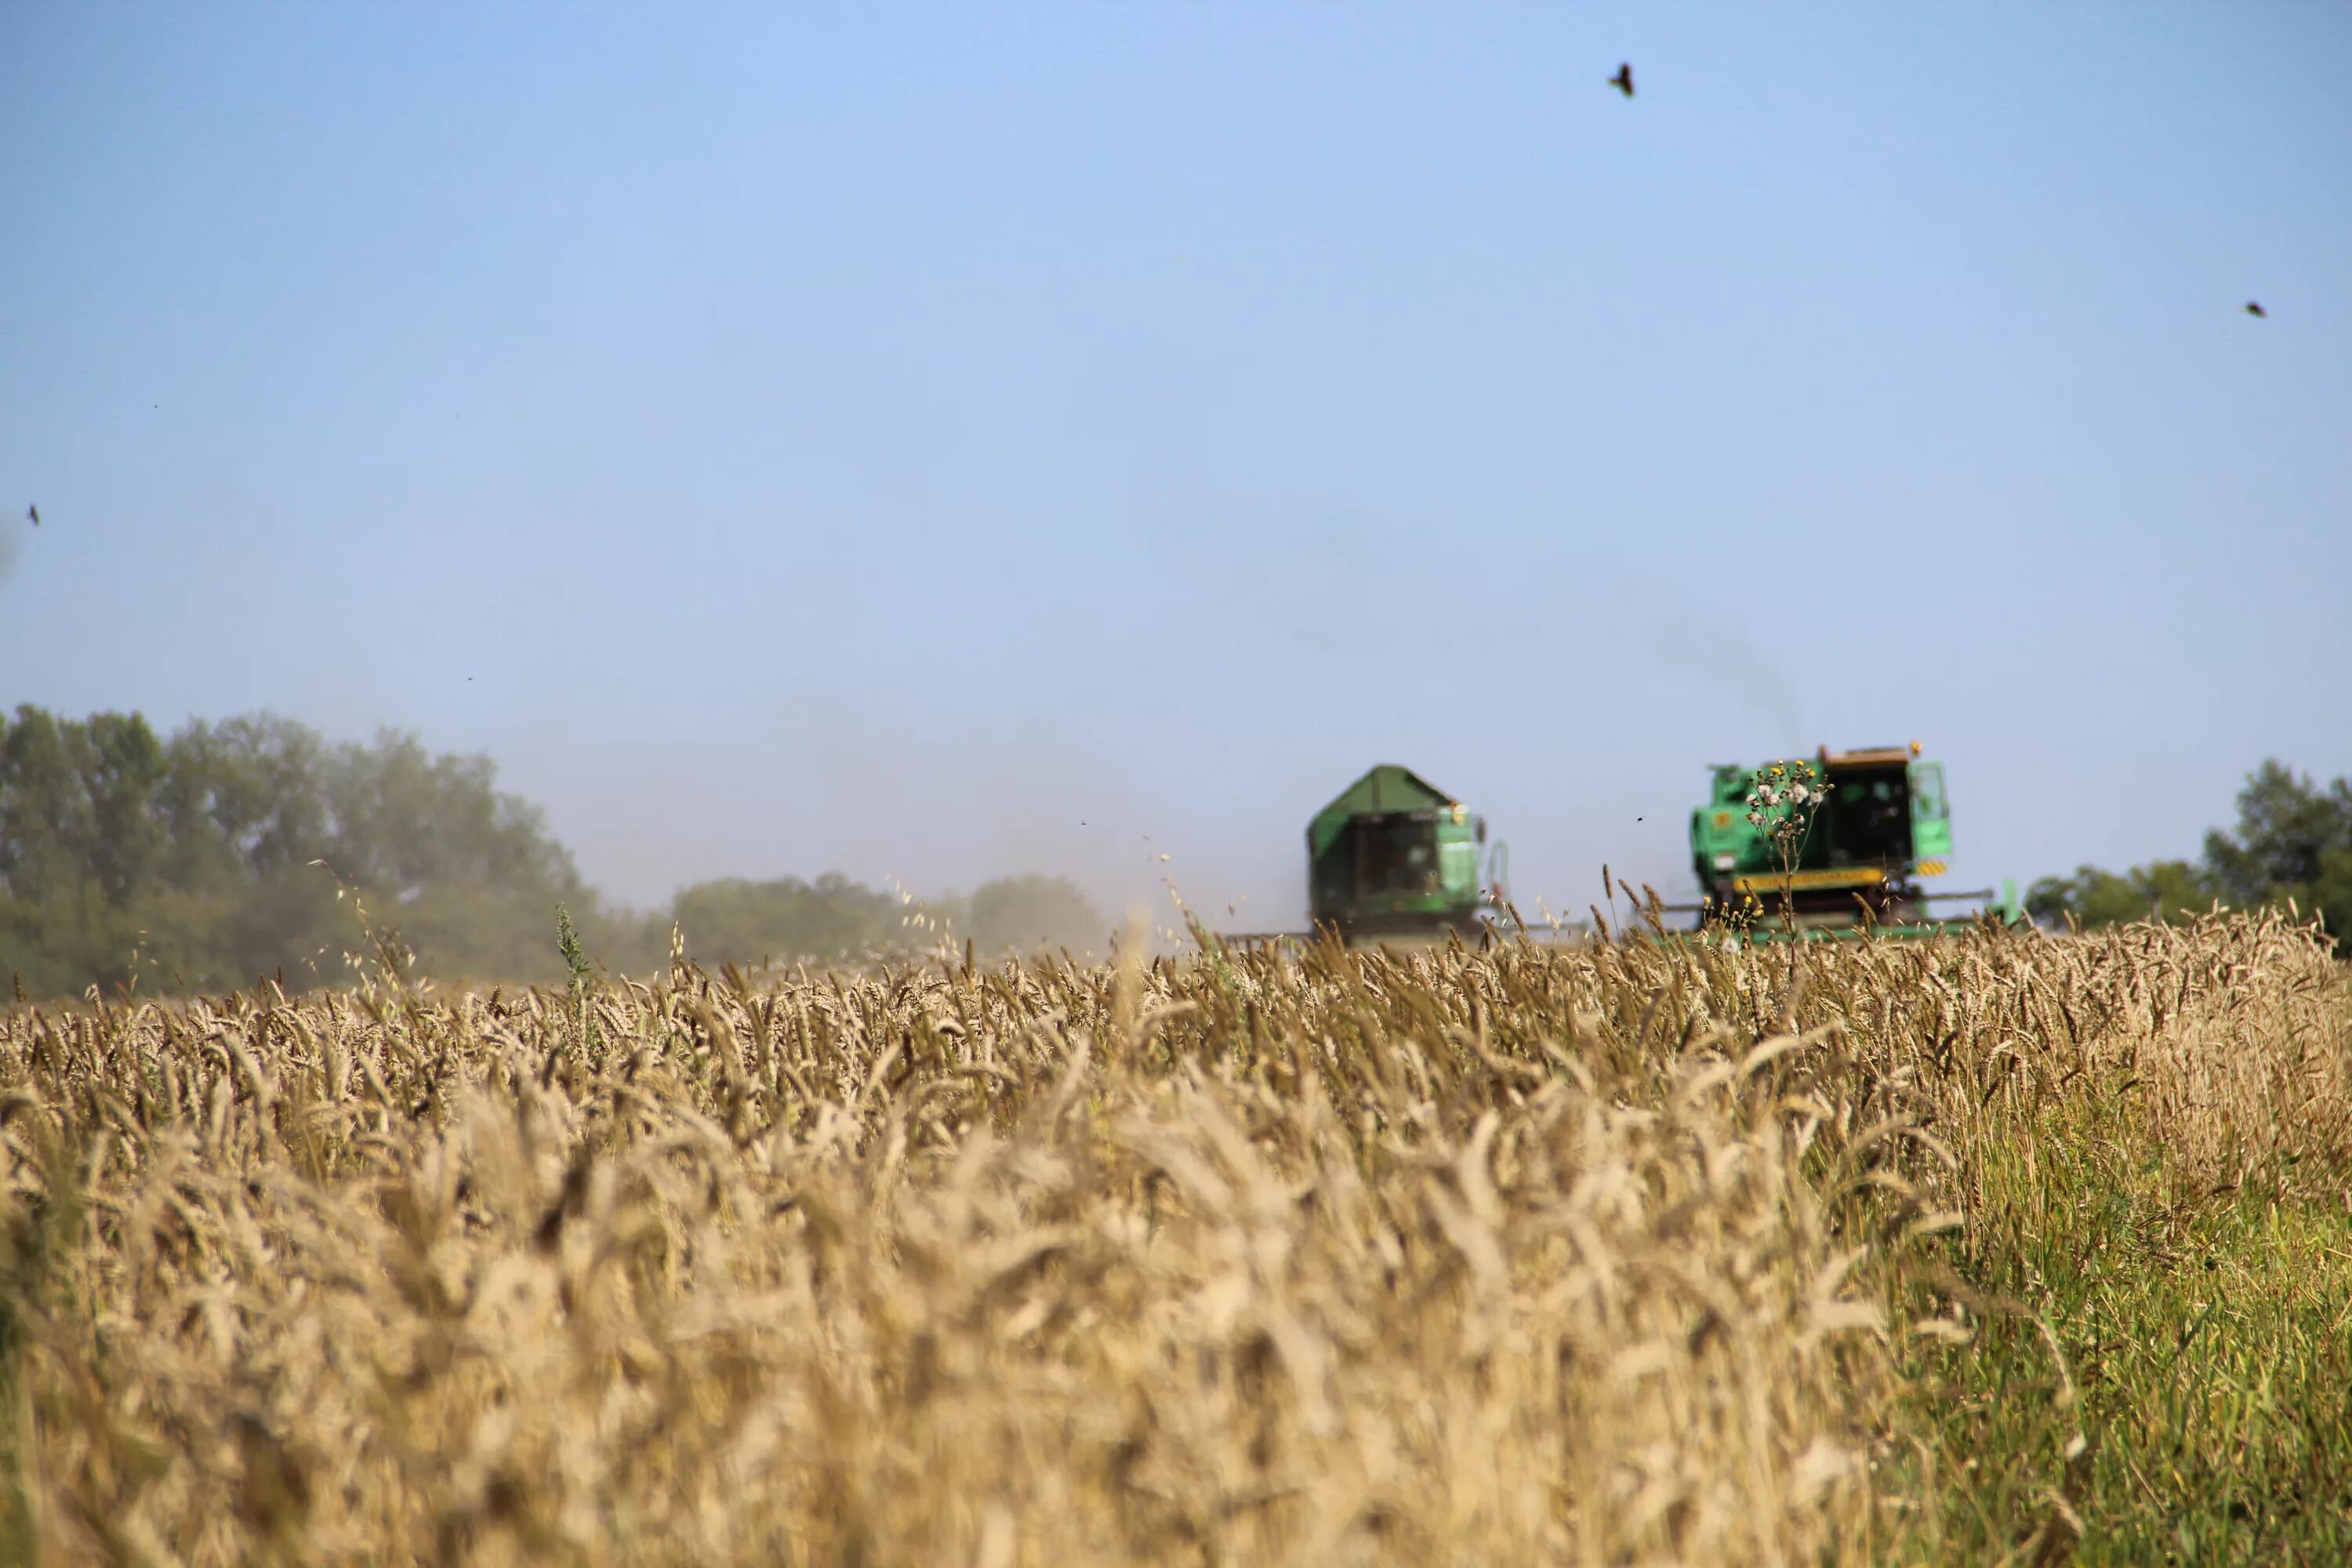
x=943, y=440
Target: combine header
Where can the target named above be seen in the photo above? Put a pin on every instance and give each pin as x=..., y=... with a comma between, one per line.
x=1884, y=823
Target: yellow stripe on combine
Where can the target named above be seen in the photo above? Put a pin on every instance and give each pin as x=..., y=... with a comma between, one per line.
x=1931, y=867
x=1855, y=877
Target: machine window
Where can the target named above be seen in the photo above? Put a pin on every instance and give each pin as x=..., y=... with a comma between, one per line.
x=1928, y=791
x=1868, y=822
x=1396, y=855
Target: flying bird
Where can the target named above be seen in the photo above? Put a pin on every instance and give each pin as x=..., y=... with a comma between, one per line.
x=35, y=514
x=2253, y=309
x=1623, y=81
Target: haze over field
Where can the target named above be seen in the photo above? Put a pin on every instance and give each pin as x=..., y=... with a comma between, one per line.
x=934, y=445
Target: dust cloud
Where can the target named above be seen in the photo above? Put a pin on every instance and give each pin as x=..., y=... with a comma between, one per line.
x=815, y=783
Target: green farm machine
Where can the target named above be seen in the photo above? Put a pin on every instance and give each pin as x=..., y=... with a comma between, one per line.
x=1394, y=856
x=1884, y=823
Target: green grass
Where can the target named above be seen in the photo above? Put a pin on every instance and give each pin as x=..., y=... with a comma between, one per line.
x=2208, y=1340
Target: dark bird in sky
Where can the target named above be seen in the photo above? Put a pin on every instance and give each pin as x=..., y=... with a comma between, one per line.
x=1623, y=81
x=2254, y=310
x=35, y=514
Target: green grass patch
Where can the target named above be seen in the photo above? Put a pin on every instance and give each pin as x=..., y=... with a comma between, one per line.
x=2205, y=1339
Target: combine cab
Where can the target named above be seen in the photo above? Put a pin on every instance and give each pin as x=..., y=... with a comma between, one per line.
x=1394, y=856
x=1885, y=825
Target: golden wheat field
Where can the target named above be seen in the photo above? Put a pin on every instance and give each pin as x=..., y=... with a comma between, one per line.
x=1624, y=1253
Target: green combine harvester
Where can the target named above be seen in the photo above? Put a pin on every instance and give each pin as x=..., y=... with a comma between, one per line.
x=1394, y=856
x=1885, y=825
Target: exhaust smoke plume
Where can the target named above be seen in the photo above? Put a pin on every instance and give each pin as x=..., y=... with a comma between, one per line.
x=1731, y=664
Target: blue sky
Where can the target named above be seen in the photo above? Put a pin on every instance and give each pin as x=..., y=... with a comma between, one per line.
x=933, y=441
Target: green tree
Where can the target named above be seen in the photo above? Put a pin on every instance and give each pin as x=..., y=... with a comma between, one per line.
x=404, y=820
x=44, y=816
x=243, y=800
x=2288, y=828
x=2293, y=844
x=122, y=766
x=200, y=853
x=2165, y=890
x=742, y=922
x=254, y=847
x=1027, y=913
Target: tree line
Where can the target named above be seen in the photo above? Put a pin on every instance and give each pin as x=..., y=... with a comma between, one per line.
x=222, y=853
x=2293, y=844
x=255, y=847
